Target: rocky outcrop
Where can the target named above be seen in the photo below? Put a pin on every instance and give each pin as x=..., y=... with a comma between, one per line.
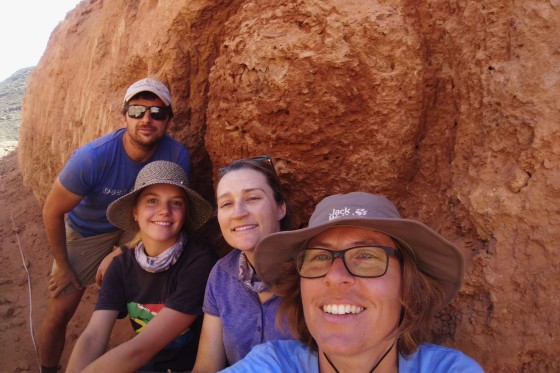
x=449, y=108
x=11, y=94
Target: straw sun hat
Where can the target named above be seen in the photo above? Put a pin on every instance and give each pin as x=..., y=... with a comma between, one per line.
x=199, y=210
x=434, y=255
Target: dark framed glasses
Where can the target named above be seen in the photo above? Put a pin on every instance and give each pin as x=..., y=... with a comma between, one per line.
x=156, y=112
x=265, y=159
x=360, y=261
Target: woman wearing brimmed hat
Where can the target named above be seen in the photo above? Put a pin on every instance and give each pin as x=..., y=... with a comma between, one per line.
x=371, y=310
x=159, y=284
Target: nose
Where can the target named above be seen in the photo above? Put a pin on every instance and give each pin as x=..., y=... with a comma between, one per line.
x=164, y=209
x=147, y=118
x=338, y=273
x=239, y=210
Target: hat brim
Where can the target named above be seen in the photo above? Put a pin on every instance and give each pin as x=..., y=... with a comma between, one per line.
x=434, y=255
x=134, y=92
x=119, y=212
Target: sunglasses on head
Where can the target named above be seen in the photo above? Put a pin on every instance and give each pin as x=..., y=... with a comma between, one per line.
x=156, y=112
x=265, y=159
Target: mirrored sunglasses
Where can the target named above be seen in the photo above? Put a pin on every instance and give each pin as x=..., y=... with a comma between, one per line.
x=156, y=112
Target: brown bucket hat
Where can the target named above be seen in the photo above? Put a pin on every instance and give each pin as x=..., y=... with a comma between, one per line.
x=434, y=255
x=199, y=210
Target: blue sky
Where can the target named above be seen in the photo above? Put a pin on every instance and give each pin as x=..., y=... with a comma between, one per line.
x=25, y=29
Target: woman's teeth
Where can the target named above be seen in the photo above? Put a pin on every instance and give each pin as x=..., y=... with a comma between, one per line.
x=162, y=222
x=342, y=309
x=243, y=228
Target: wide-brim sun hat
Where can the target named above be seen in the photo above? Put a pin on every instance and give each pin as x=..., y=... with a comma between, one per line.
x=198, y=212
x=149, y=85
x=434, y=255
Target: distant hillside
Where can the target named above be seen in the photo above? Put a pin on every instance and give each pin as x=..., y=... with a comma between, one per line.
x=11, y=96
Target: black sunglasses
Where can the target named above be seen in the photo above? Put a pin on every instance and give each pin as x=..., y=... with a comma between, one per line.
x=156, y=112
x=265, y=159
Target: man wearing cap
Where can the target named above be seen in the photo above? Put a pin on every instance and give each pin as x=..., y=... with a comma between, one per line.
x=97, y=174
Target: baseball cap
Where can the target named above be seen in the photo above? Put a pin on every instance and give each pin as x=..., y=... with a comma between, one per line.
x=149, y=85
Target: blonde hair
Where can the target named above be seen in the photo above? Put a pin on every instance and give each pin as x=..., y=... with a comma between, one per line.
x=136, y=239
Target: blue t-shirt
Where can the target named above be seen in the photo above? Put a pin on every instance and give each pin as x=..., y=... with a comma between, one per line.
x=246, y=322
x=101, y=172
x=294, y=357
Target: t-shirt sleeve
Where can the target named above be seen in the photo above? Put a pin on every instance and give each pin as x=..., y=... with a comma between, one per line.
x=174, y=151
x=464, y=364
x=78, y=174
x=210, y=305
x=189, y=294
x=112, y=295
x=438, y=359
x=185, y=162
x=261, y=359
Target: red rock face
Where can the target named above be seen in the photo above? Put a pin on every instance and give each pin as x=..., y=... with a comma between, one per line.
x=449, y=109
x=335, y=94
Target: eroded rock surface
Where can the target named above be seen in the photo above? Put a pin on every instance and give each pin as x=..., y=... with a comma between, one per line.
x=451, y=109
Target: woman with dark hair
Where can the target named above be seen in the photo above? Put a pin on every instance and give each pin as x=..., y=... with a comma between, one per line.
x=371, y=310
x=239, y=310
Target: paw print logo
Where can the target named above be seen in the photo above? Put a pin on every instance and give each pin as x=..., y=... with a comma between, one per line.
x=360, y=212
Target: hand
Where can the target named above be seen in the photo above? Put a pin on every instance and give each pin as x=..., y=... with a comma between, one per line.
x=60, y=278
x=105, y=264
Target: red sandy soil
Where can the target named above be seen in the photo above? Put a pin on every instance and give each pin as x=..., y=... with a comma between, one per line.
x=23, y=294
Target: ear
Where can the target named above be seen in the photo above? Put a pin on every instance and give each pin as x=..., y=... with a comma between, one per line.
x=135, y=213
x=281, y=211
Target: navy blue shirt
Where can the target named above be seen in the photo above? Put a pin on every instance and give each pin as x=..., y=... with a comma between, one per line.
x=131, y=290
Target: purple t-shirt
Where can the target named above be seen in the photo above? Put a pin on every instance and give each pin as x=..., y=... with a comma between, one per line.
x=246, y=322
x=101, y=171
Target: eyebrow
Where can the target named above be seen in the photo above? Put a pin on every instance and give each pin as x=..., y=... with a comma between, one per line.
x=242, y=191
x=368, y=242
x=152, y=194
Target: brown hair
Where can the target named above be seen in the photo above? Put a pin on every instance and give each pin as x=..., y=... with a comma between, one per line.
x=422, y=297
x=267, y=169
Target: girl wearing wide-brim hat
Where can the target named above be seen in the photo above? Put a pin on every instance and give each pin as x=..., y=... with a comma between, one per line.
x=359, y=287
x=159, y=283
